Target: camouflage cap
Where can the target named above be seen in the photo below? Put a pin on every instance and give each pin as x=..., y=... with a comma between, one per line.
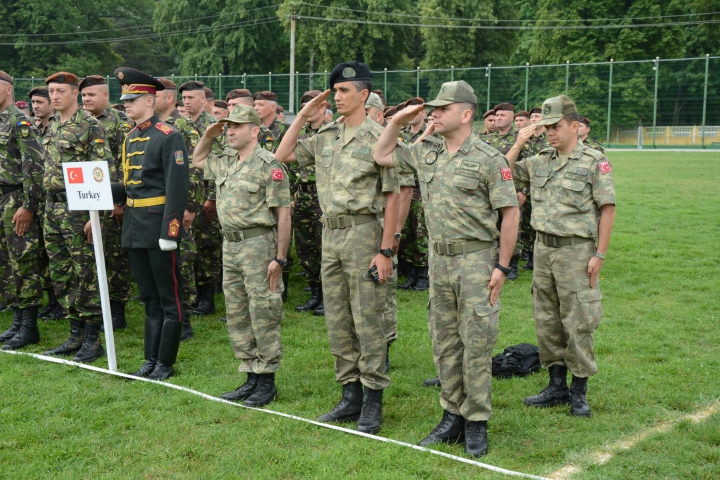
x=242, y=114
x=380, y=94
x=488, y=113
x=238, y=93
x=556, y=108
x=373, y=100
x=39, y=92
x=92, y=81
x=454, y=92
x=5, y=77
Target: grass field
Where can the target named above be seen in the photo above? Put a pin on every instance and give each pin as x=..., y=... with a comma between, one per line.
x=658, y=349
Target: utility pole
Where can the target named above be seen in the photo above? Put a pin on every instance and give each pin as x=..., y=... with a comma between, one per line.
x=292, y=60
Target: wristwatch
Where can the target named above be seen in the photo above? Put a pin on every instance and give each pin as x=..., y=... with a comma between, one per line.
x=283, y=263
x=601, y=256
x=504, y=270
x=398, y=236
x=387, y=252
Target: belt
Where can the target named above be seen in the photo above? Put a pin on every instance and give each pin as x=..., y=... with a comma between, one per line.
x=308, y=187
x=57, y=197
x=349, y=220
x=9, y=188
x=461, y=248
x=240, y=235
x=145, y=202
x=556, y=242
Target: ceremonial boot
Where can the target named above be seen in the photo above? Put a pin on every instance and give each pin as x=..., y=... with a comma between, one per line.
x=15, y=327
x=52, y=303
x=153, y=331
x=117, y=311
x=320, y=309
x=513, y=275
x=432, y=382
x=207, y=301
x=556, y=393
x=371, y=413
x=578, y=404
x=28, y=333
x=349, y=407
x=451, y=429
x=423, y=282
x=187, y=331
x=316, y=297
x=167, y=353
x=264, y=393
x=286, y=284
x=244, y=390
x=410, y=280
x=91, y=348
x=73, y=343
x=476, y=440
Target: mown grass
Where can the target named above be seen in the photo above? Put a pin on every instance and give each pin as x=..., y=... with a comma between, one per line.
x=658, y=351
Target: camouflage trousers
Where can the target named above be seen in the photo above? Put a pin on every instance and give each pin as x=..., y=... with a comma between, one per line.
x=187, y=258
x=464, y=328
x=414, y=244
x=355, y=305
x=117, y=262
x=19, y=254
x=390, y=313
x=527, y=233
x=72, y=262
x=566, y=310
x=308, y=234
x=43, y=259
x=254, y=312
x=208, y=241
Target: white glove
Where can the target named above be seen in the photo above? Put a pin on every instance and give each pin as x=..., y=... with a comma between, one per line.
x=167, y=245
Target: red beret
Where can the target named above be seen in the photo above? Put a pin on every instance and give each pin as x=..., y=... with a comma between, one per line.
x=265, y=95
x=62, y=77
x=488, y=113
x=169, y=84
x=209, y=93
x=238, y=93
x=5, y=77
x=504, y=106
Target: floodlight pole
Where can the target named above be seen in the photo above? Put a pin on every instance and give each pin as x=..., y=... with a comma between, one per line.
x=707, y=66
x=292, y=59
x=655, y=98
x=609, y=102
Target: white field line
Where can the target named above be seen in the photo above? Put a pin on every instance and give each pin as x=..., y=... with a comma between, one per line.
x=280, y=414
x=601, y=457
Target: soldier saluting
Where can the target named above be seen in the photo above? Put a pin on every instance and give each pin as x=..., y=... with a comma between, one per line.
x=156, y=179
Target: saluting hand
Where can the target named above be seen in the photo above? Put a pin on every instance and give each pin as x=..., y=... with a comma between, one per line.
x=525, y=134
x=215, y=130
x=313, y=106
x=404, y=116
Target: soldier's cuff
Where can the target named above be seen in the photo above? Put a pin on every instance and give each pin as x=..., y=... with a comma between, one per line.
x=191, y=207
x=30, y=206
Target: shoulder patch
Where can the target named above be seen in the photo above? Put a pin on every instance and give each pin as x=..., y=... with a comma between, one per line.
x=485, y=148
x=549, y=150
x=97, y=140
x=605, y=167
x=22, y=123
x=597, y=155
x=163, y=128
x=329, y=126
x=277, y=174
x=433, y=140
x=266, y=156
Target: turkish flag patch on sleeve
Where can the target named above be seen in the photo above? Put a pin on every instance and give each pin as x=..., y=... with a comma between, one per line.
x=277, y=174
x=605, y=167
x=506, y=173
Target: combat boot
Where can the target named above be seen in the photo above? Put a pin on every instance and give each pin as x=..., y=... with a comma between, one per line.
x=15, y=327
x=529, y=265
x=423, y=282
x=73, y=343
x=264, y=393
x=320, y=309
x=153, y=331
x=432, y=382
x=92, y=348
x=207, y=301
x=316, y=297
x=117, y=311
x=349, y=407
x=57, y=314
x=476, y=440
x=451, y=429
x=4, y=307
x=578, y=389
x=556, y=393
x=410, y=280
x=387, y=359
x=286, y=284
x=371, y=413
x=244, y=390
x=28, y=334
x=167, y=353
x=187, y=331
x=52, y=303
x=513, y=275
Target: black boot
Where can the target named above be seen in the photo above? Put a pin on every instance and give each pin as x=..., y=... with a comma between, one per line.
x=371, y=414
x=207, y=301
x=57, y=314
x=578, y=404
x=320, y=310
x=117, y=310
x=432, y=382
x=410, y=280
x=316, y=297
x=52, y=303
x=3, y=307
x=73, y=343
x=513, y=275
x=187, y=331
x=92, y=348
x=387, y=359
x=167, y=353
x=15, y=327
x=423, y=282
x=153, y=330
x=451, y=429
x=286, y=284
x=264, y=393
x=349, y=407
x=28, y=333
x=529, y=265
x=556, y=393
x=244, y=390
x=476, y=440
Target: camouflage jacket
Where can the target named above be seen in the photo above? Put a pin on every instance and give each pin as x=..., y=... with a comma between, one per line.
x=80, y=139
x=594, y=144
x=300, y=175
x=536, y=145
x=503, y=143
x=567, y=193
x=408, y=137
x=277, y=129
x=196, y=193
x=116, y=127
x=22, y=159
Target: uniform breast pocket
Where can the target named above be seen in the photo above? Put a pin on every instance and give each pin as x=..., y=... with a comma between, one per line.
x=465, y=190
x=249, y=192
x=3, y=146
x=326, y=158
x=537, y=187
x=572, y=191
x=425, y=176
x=69, y=146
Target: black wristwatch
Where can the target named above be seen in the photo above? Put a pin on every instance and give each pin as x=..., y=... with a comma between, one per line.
x=504, y=270
x=283, y=263
x=387, y=252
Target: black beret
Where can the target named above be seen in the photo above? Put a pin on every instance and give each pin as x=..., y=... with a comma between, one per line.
x=39, y=92
x=535, y=110
x=349, y=72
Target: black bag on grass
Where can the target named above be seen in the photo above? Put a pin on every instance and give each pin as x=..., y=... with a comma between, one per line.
x=516, y=361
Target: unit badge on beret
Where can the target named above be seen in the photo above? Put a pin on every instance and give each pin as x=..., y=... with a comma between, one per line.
x=174, y=228
x=348, y=72
x=61, y=78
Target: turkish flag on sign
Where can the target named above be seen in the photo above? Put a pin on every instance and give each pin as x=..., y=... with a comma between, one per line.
x=75, y=175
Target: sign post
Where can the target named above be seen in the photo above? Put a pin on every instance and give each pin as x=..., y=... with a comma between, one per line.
x=87, y=185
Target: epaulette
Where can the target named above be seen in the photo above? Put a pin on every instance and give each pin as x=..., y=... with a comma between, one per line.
x=266, y=156
x=330, y=125
x=433, y=140
x=485, y=148
x=597, y=155
x=549, y=150
x=167, y=130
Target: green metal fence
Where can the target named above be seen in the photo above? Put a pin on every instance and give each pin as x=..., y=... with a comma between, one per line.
x=650, y=103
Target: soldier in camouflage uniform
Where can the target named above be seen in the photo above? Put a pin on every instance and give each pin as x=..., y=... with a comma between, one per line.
x=254, y=210
x=584, y=131
x=21, y=170
x=573, y=204
x=74, y=136
x=220, y=109
x=463, y=183
x=95, y=96
x=353, y=194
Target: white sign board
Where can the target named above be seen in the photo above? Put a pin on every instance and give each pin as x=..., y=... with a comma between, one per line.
x=87, y=185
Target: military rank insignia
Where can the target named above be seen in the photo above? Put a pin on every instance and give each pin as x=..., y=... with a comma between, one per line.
x=605, y=167
x=163, y=128
x=506, y=174
x=179, y=157
x=277, y=174
x=174, y=228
